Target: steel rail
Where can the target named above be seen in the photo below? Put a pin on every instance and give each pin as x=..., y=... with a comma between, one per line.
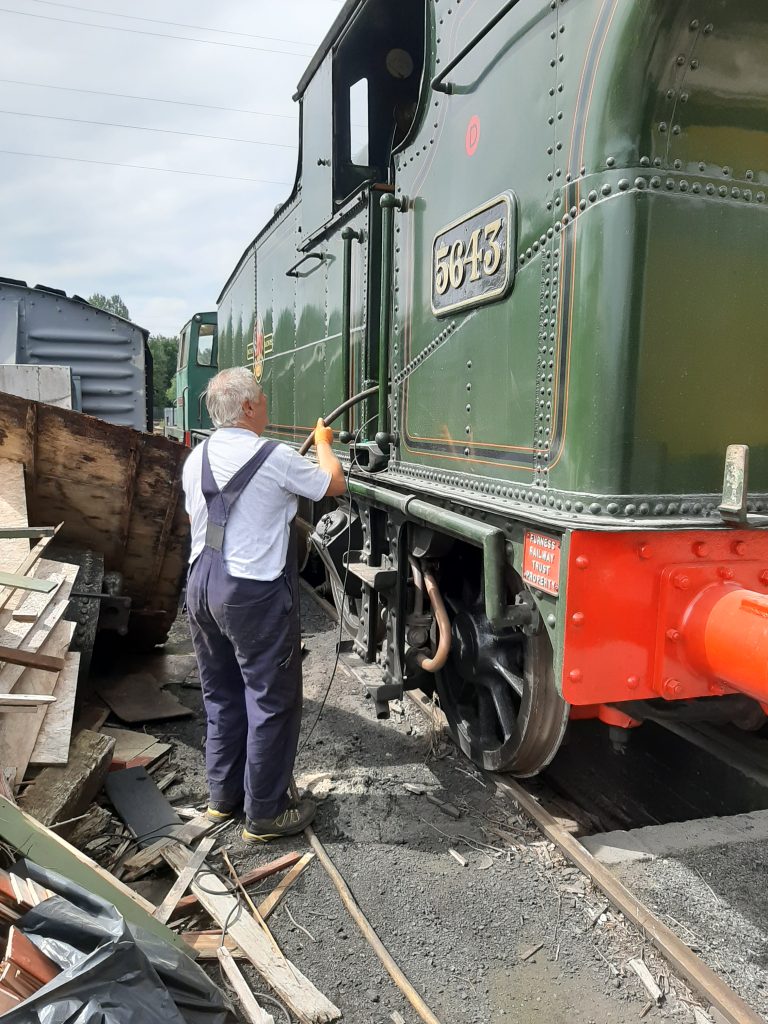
x=691, y=967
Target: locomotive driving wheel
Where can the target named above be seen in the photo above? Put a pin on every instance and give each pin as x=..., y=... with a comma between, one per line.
x=498, y=692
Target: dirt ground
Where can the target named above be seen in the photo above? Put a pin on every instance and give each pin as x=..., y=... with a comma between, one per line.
x=463, y=935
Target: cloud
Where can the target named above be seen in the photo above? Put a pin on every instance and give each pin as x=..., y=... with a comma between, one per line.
x=165, y=242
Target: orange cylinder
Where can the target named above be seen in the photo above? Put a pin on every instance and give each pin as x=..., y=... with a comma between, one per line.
x=726, y=636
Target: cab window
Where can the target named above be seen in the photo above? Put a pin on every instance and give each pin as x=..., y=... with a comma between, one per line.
x=377, y=76
x=184, y=348
x=205, y=340
x=358, y=124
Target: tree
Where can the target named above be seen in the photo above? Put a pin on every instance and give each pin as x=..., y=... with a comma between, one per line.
x=113, y=304
x=164, y=352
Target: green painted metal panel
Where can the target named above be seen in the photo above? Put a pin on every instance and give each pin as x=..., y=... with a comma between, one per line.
x=630, y=350
x=317, y=148
x=237, y=314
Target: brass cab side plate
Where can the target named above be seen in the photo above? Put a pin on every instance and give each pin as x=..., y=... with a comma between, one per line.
x=473, y=258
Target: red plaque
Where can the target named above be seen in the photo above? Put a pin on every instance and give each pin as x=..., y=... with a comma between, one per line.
x=541, y=562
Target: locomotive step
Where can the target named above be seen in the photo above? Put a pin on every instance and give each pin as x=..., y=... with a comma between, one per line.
x=374, y=576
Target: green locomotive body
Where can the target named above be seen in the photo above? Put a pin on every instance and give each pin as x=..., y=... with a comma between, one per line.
x=195, y=365
x=538, y=227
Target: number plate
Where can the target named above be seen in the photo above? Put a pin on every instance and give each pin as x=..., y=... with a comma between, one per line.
x=471, y=258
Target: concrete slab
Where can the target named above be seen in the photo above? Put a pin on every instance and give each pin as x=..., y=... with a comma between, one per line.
x=641, y=844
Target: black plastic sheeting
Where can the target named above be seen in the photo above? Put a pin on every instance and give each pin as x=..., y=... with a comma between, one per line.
x=112, y=972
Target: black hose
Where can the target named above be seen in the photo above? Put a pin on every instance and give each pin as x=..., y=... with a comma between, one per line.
x=328, y=420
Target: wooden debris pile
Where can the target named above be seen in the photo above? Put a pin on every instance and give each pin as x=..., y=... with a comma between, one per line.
x=208, y=911
x=24, y=969
x=214, y=910
x=38, y=671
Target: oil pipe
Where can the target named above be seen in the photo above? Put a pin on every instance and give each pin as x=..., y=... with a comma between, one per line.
x=425, y=580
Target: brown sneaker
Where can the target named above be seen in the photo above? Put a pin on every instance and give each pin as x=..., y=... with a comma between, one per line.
x=290, y=822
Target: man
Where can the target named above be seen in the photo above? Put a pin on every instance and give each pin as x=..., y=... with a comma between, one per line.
x=243, y=602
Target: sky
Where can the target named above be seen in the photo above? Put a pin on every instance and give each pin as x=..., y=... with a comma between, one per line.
x=166, y=242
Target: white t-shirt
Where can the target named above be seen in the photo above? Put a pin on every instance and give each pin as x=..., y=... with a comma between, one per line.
x=256, y=537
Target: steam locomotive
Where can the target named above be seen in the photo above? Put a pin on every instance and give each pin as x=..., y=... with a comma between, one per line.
x=533, y=234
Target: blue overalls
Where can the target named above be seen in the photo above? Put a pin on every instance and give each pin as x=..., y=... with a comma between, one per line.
x=247, y=638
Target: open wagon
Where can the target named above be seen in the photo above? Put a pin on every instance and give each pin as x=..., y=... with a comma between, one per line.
x=117, y=492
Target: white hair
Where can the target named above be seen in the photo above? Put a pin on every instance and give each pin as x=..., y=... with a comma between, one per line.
x=227, y=392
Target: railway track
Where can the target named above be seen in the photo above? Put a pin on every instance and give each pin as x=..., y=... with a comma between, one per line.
x=566, y=814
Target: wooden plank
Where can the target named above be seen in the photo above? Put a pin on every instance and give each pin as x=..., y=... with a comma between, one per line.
x=141, y=805
x=248, y=879
x=253, y=1012
x=680, y=956
x=34, y=555
x=92, y=715
x=61, y=793
x=7, y=775
x=140, y=698
x=13, y=513
x=31, y=700
x=296, y=991
x=148, y=759
x=33, y=840
x=52, y=744
x=268, y=905
x=19, y=616
x=30, y=659
x=139, y=863
x=51, y=608
x=27, y=532
x=129, y=744
x=14, y=579
x=16, y=745
x=28, y=957
x=206, y=944
x=184, y=880
x=648, y=980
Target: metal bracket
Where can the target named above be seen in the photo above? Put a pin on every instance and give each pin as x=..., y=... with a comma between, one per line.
x=733, y=509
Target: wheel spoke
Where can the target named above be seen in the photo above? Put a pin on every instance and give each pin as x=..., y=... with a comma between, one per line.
x=505, y=710
x=517, y=683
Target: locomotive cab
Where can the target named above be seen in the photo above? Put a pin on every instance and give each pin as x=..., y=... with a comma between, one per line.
x=359, y=99
x=377, y=72
x=196, y=364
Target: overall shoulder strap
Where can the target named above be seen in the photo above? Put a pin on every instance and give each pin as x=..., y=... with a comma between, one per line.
x=220, y=502
x=209, y=487
x=237, y=484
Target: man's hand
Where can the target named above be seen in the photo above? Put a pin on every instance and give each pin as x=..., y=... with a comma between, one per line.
x=327, y=460
x=323, y=434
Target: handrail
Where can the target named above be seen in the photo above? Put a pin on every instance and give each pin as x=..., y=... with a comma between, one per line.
x=389, y=203
x=322, y=256
x=348, y=236
x=438, y=83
